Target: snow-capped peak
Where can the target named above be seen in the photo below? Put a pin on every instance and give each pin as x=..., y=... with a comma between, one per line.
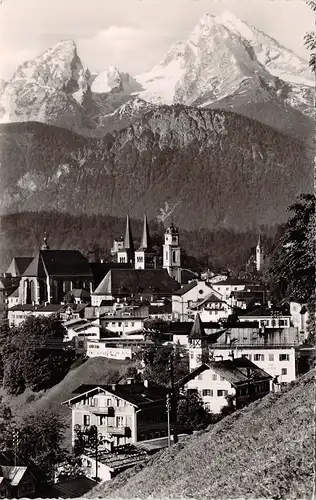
x=112, y=79
x=234, y=24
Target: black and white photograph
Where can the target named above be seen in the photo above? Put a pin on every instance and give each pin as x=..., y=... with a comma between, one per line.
x=157, y=249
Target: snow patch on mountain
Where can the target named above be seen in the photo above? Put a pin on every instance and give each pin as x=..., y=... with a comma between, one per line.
x=112, y=79
x=277, y=59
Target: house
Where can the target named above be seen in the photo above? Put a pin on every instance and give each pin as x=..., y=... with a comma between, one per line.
x=123, y=413
x=267, y=317
x=273, y=350
x=13, y=298
x=18, y=477
x=179, y=331
x=80, y=296
x=212, y=308
x=238, y=378
x=110, y=464
x=189, y=294
x=7, y=286
x=143, y=284
x=226, y=287
x=17, y=314
x=102, y=348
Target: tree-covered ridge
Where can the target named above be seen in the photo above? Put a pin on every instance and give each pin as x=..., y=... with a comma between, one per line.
x=189, y=158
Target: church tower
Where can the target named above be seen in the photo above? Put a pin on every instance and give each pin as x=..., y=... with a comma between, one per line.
x=172, y=253
x=259, y=255
x=145, y=256
x=198, y=345
x=125, y=255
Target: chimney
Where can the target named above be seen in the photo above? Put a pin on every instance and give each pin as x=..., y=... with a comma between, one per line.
x=113, y=387
x=130, y=380
x=269, y=304
x=101, y=260
x=145, y=383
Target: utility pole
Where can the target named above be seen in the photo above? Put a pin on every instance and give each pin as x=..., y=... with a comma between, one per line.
x=173, y=401
x=168, y=417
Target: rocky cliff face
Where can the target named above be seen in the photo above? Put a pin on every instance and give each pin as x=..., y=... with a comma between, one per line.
x=224, y=63
x=188, y=159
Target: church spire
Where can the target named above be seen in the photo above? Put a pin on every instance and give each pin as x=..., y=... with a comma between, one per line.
x=45, y=244
x=146, y=240
x=197, y=331
x=128, y=239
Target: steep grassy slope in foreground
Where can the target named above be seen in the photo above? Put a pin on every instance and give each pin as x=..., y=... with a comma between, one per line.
x=93, y=371
x=264, y=450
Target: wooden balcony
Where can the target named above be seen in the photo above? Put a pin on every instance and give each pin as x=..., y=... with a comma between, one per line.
x=117, y=431
x=99, y=410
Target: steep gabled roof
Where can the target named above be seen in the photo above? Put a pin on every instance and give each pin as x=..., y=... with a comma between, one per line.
x=212, y=298
x=19, y=265
x=136, y=394
x=236, y=282
x=59, y=263
x=137, y=281
x=197, y=331
x=239, y=371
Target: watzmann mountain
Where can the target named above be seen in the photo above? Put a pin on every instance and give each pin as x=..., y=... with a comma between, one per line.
x=224, y=63
x=219, y=133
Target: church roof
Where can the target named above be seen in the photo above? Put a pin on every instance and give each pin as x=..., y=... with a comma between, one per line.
x=146, y=243
x=100, y=269
x=59, y=263
x=136, y=281
x=19, y=265
x=197, y=331
x=128, y=239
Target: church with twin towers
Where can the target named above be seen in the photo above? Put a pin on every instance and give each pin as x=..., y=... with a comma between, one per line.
x=145, y=257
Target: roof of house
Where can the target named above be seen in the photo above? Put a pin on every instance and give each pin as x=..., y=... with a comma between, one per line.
x=185, y=327
x=59, y=263
x=9, y=458
x=187, y=275
x=14, y=294
x=80, y=293
x=261, y=311
x=236, y=282
x=136, y=394
x=123, y=457
x=100, y=269
x=73, y=488
x=50, y=308
x=137, y=281
x=238, y=371
x=212, y=298
x=190, y=286
x=18, y=265
x=12, y=473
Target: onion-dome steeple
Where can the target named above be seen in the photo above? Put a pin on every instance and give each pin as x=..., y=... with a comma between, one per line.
x=45, y=244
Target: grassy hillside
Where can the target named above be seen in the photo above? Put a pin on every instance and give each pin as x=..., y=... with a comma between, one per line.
x=93, y=371
x=265, y=450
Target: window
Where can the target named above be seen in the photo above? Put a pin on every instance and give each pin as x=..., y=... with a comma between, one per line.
x=192, y=355
x=282, y=322
x=117, y=402
x=201, y=292
x=120, y=323
x=81, y=344
x=284, y=357
x=108, y=402
x=221, y=393
x=271, y=357
x=200, y=377
x=258, y=357
x=119, y=421
x=86, y=420
x=122, y=259
x=102, y=420
x=166, y=255
x=221, y=378
x=207, y=392
x=174, y=259
x=284, y=371
x=214, y=376
x=139, y=259
x=133, y=323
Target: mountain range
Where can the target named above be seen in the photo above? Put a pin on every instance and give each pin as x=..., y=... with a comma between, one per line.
x=219, y=133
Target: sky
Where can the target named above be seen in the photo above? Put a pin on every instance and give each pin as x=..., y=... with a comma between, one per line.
x=133, y=35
